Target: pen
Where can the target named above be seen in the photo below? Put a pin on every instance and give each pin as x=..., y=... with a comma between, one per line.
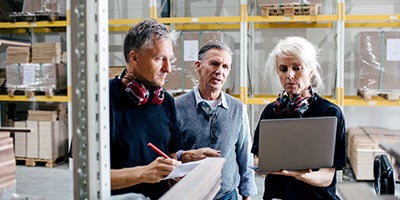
x=157, y=150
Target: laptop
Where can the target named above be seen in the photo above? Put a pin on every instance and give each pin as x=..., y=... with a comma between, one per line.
x=296, y=143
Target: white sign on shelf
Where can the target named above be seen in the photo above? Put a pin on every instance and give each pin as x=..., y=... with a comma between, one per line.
x=191, y=48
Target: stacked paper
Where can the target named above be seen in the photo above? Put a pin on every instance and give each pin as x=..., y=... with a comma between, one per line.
x=46, y=52
x=16, y=54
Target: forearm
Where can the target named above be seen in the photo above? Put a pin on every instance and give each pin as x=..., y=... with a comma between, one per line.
x=321, y=178
x=126, y=177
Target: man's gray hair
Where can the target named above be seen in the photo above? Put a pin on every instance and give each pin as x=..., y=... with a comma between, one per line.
x=213, y=45
x=144, y=33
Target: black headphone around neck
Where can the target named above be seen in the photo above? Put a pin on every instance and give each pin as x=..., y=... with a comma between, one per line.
x=139, y=93
x=284, y=106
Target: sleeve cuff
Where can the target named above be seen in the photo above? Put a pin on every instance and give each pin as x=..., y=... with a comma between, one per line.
x=179, y=154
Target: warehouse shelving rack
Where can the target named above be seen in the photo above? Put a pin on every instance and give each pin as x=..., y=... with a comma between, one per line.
x=340, y=21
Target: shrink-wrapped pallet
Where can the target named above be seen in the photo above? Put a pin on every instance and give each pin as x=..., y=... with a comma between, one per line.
x=378, y=61
x=36, y=77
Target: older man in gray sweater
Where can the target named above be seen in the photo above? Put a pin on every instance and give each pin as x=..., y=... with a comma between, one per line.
x=214, y=124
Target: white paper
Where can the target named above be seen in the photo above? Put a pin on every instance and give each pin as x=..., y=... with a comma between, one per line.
x=393, y=49
x=183, y=169
x=191, y=49
x=29, y=74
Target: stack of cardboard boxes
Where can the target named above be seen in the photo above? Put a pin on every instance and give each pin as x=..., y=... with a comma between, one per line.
x=43, y=71
x=48, y=139
x=7, y=166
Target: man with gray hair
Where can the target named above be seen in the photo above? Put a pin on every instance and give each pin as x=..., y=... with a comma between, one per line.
x=214, y=124
x=142, y=112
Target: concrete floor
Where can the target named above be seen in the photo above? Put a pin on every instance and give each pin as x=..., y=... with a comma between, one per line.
x=41, y=183
x=37, y=183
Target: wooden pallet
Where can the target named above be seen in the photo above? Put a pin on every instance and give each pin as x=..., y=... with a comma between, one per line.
x=367, y=94
x=391, y=96
x=32, y=162
x=290, y=10
x=30, y=93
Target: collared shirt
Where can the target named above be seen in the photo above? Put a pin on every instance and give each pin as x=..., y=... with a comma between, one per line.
x=225, y=128
x=221, y=101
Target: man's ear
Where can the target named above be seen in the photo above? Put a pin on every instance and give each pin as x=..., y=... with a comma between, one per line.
x=197, y=65
x=133, y=56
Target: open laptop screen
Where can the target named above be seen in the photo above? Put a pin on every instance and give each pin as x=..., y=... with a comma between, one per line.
x=296, y=143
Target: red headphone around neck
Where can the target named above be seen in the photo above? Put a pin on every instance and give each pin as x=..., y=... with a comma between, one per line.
x=292, y=107
x=139, y=93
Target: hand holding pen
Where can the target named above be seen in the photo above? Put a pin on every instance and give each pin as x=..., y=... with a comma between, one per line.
x=161, y=153
x=160, y=167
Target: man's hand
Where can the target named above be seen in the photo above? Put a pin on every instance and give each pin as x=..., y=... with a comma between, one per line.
x=199, y=154
x=158, y=169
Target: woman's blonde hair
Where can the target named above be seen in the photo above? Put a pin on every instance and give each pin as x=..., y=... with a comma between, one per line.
x=303, y=50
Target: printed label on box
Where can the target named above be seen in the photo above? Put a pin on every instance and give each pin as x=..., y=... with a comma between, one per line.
x=29, y=75
x=393, y=49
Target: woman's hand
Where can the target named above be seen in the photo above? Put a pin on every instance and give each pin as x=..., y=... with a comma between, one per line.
x=321, y=178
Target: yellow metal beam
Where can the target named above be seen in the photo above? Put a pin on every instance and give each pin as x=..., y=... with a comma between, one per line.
x=293, y=25
x=120, y=22
x=23, y=98
x=213, y=26
x=392, y=17
x=36, y=24
x=35, y=30
x=375, y=101
x=372, y=24
x=209, y=19
x=294, y=18
x=260, y=101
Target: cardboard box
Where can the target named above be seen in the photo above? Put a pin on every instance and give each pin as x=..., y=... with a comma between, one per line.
x=53, y=140
x=16, y=54
x=46, y=52
x=20, y=140
x=378, y=60
x=7, y=166
x=32, y=140
x=114, y=71
x=52, y=131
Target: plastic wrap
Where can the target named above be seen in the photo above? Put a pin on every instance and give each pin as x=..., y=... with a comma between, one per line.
x=378, y=61
x=45, y=6
x=36, y=77
x=183, y=74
